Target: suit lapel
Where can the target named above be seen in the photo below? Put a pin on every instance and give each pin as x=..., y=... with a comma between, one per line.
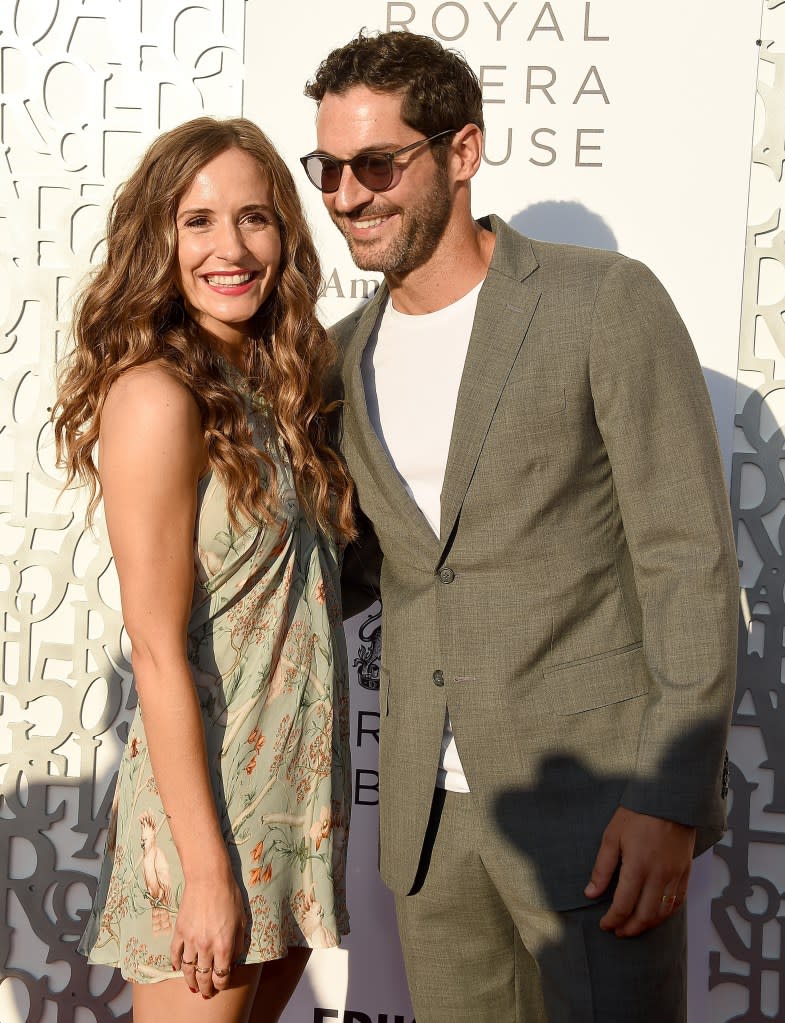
x=363, y=436
x=505, y=308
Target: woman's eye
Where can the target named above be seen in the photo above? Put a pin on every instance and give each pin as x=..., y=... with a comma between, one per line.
x=196, y=222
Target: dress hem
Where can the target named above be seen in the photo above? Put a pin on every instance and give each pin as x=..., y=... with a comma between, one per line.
x=252, y=960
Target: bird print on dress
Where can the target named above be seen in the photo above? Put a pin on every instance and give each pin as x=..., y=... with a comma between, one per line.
x=156, y=875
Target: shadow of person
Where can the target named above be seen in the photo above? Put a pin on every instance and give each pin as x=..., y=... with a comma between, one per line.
x=565, y=803
x=561, y=221
x=561, y=850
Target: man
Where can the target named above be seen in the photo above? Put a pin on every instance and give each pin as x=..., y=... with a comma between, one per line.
x=532, y=442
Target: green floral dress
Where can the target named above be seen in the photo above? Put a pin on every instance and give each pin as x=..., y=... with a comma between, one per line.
x=268, y=657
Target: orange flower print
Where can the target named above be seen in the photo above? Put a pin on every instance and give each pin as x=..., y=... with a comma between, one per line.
x=255, y=876
x=251, y=765
x=322, y=827
x=267, y=873
x=134, y=747
x=319, y=593
x=256, y=852
x=256, y=739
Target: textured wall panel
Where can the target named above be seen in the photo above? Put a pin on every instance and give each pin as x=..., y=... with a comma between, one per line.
x=747, y=975
x=86, y=84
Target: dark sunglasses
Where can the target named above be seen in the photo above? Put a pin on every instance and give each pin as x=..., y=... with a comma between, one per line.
x=374, y=171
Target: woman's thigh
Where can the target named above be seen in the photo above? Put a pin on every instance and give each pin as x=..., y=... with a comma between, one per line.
x=276, y=986
x=173, y=1001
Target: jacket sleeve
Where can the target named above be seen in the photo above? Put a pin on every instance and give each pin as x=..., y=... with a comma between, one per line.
x=655, y=417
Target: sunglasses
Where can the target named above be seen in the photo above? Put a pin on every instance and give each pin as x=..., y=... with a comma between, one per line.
x=374, y=171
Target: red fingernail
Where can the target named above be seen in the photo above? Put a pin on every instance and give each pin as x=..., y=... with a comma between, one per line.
x=206, y=998
x=193, y=990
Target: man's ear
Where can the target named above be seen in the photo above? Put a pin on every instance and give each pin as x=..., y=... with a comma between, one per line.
x=466, y=152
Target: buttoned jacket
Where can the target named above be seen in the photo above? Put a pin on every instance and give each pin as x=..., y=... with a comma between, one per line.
x=577, y=613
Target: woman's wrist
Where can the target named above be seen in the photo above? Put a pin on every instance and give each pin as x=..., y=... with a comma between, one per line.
x=204, y=857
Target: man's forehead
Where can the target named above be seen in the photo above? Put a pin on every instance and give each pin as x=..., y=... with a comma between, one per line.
x=360, y=117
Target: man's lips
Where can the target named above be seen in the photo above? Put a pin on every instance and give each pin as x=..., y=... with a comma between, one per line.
x=360, y=225
x=366, y=223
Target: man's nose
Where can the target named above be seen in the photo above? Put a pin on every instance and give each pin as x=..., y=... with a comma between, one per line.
x=351, y=192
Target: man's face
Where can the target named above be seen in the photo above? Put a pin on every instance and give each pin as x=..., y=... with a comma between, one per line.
x=395, y=231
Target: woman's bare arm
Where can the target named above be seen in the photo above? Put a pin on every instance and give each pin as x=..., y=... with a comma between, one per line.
x=151, y=456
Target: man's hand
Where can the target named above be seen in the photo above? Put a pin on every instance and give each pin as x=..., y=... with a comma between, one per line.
x=656, y=859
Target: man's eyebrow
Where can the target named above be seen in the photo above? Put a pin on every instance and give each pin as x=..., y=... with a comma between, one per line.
x=377, y=147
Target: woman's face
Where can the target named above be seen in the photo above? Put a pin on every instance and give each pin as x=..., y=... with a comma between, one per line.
x=229, y=245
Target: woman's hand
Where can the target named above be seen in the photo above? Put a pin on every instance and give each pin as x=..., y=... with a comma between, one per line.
x=209, y=933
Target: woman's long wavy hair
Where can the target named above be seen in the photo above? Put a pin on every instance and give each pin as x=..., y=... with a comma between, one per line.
x=131, y=313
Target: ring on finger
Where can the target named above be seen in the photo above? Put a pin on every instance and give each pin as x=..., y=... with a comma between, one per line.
x=222, y=973
x=203, y=969
x=188, y=962
x=669, y=898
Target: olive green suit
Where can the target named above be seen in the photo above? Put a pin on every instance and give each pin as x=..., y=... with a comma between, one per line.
x=578, y=612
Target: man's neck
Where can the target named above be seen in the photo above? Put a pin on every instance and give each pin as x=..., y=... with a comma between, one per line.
x=459, y=263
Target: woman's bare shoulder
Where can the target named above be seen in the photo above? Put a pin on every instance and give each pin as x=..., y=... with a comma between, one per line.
x=151, y=420
x=150, y=395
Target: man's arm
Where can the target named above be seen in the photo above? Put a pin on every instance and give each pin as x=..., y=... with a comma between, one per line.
x=361, y=569
x=655, y=417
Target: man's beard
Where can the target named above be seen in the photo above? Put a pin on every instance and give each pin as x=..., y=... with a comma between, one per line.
x=421, y=228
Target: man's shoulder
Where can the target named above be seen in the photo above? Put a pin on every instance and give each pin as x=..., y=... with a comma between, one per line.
x=567, y=261
x=343, y=330
x=568, y=254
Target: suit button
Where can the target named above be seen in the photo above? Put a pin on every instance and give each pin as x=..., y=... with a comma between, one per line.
x=438, y=678
x=446, y=575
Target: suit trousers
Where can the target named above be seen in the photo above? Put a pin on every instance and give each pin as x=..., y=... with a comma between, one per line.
x=475, y=952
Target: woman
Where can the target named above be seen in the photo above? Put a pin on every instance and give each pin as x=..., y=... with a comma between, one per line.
x=196, y=371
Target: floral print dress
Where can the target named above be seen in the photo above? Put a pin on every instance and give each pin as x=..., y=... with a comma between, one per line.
x=267, y=653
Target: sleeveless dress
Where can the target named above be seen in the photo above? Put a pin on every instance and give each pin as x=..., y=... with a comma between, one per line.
x=267, y=653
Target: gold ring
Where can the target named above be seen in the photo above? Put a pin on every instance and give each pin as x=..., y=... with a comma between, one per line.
x=222, y=973
x=186, y=962
x=669, y=898
x=207, y=969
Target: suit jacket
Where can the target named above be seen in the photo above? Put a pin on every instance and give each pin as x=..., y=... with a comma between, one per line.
x=578, y=612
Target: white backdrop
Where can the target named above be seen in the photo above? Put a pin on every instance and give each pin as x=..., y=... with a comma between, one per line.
x=665, y=92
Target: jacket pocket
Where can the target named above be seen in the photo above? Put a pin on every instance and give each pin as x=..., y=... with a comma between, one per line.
x=536, y=405
x=598, y=681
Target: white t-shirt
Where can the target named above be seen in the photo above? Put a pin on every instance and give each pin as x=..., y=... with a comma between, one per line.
x=412, y=368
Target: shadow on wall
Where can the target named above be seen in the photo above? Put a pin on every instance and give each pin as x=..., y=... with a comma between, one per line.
x=54, y=903
x=569, y=222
